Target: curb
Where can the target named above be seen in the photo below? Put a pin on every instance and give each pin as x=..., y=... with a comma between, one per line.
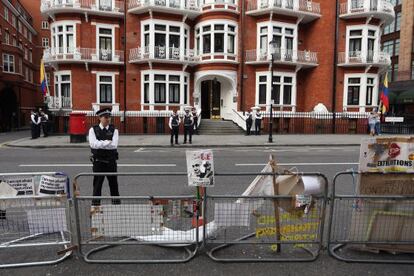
x=74, y=146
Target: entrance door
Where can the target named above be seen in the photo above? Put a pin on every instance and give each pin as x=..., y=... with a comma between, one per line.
x=8, y=109
x=210, y=99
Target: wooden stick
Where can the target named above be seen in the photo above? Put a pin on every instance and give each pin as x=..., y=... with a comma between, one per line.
x=276, y=202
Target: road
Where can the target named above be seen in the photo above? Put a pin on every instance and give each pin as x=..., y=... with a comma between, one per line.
x=327, y=160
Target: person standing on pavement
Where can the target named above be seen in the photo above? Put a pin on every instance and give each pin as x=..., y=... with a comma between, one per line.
x=249, y=122
x=34, y=124
x=174, y=125
x=103, y=140
x=44, y=120
x=372, y=120
x=188, y=126
x=377, y=122
x=195, y=128
x=258, y=122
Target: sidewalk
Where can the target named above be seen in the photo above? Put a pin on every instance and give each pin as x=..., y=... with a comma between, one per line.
x=137, y=141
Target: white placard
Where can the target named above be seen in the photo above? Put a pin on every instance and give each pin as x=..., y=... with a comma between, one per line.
x=126, y=220
x=46, y=220
x=51, y=185
x=231, y=214
x=23, y=185
x=394, y=119
x=200, y=168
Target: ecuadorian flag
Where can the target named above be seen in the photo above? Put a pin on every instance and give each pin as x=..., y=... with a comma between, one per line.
x=43, y=81
x=384, y=95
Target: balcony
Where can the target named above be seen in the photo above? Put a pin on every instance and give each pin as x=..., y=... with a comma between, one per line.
x=83, y=55
x=55, y=102
x=189, y=8
x=95, y=7
x=301, y=59
x=381, y=9
x=162, y=54
x=305, y=11
x=359, y=58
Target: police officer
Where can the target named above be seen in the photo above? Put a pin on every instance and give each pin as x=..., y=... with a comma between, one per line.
x=249, y=122
x=35, y=124
x=258, y=122
x=195, y=128
x=103, y=140
x=188, y=126
x=44, y=119
x=174, y=125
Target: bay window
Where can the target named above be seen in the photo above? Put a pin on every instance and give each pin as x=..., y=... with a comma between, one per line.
x=284, y=35
x=212, y=38
x=62, y=89
x=8, y=63
x=105, y=89
x=63, y=37
x=363, y=42
x=165, y=40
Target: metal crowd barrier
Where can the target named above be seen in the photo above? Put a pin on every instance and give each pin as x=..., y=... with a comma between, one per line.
x=371, y=228
x=32, y=225
x=264, y=228
x=154, y=229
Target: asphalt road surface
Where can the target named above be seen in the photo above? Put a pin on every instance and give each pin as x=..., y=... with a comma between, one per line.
x=328, y=160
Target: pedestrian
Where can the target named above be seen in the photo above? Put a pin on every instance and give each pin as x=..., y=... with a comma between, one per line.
x=377, y=122
x=44, y=120
x=258, y=122
x=34, y=124
x=372, y=120
x=249, y=122
x=195, y=118
x=174, y=125
x=188, y=126
x=103, y=140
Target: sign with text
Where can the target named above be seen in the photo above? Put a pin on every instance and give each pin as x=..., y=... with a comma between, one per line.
x=23, y=185
x=200, y=168
x=52, y=185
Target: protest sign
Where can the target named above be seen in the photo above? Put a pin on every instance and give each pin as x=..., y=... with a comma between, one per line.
x=200, y=168
x=23, y=185
x=52, y=185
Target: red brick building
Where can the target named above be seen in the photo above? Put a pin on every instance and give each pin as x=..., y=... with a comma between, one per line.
x=145, y=58
x=19, y=58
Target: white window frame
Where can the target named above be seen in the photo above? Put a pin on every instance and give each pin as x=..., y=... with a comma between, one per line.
x=151, y=95
x=6, y=14
x=6, y=38
x=106, y=26
x=45, y=42
x=270, y=25
x=362, y=91
x=152, y=22
x=364, y=43
x=54, y=35
x=269, y=89
x=59, y=82
x=226, y=32
x=98, y=82
x=45, y=25
x=9, y=61
x=14, y=20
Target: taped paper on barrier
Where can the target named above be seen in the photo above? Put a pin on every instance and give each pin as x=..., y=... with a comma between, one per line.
x=126, y=220
x=6, y=190
x=51, y=185
x=231, y=214
x=200, y=168
x=46, y=220
x=23, y=185
x=312, y=185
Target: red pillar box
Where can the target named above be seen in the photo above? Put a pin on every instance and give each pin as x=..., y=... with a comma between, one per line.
x=77, y=127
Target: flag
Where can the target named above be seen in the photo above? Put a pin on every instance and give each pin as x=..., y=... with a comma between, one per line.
x=43, y=80
x=384, y=95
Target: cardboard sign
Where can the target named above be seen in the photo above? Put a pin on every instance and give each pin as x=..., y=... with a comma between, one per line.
x=393, y=154
x=200, y=168
x=51, y=185
x=23, y=185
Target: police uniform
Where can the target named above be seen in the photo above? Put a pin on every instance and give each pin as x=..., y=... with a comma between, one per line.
x=104, y=142
x=249, y=122
x=174, y=125
x=35, y=125
x=258, y=122
x=188, y=126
